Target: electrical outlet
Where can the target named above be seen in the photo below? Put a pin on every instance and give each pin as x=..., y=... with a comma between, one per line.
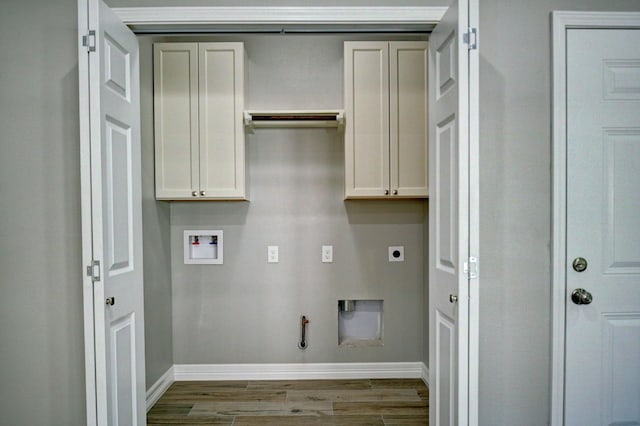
x=327, y=254
x=396, y=254
x=272, y=254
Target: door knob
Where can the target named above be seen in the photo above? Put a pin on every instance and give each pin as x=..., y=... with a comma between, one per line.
x=579, y=264
x=453, y=298
x=194, y=193
x=111, y=301
x=580, y=296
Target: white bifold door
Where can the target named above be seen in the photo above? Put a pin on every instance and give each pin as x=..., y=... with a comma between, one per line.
x=602, y=365
x=112, y=219
x=453, y=217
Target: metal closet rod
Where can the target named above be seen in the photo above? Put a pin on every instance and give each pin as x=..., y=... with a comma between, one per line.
x=293, y=117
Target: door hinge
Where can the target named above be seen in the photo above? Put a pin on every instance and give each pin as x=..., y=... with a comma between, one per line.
x=89, y=41
x=93, y=271
x=470, y=268
x=471, y=38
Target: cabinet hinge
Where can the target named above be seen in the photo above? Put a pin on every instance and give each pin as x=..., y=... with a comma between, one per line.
x=89, y=41
x=470, y=268
x=93, y=271
x=471, y=38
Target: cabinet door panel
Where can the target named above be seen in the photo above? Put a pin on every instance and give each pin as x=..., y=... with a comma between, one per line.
x=367, y=119
x=221, y=131
x=176, y=119
x=408, y=120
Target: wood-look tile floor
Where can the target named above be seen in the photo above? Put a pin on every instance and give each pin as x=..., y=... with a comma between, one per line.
x=299, y=402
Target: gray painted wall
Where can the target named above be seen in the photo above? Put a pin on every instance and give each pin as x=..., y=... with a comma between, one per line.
x=248, y=311
x=425, y=287
x=157, y=240
x=515, y=212
x=41, y=349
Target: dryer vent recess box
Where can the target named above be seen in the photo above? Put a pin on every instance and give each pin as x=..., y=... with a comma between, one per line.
x=203, y=247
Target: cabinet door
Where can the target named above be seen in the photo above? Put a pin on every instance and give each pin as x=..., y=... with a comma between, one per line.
x=408, y=119
x=175, y=83
x=366, y=106
x=221, y=103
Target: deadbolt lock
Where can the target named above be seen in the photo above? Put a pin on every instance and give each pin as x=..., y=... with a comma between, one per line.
x=579, y=264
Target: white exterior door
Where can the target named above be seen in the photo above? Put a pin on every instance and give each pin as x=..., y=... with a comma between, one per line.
x=453, y=218
x=602, y=369
x=115, y=231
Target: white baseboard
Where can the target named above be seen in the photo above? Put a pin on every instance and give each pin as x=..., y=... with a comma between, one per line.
x=159, y=387
x=425, y=374
x=366, y=370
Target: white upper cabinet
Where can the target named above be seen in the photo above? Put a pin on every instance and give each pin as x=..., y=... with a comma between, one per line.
x=386, y=119
x=199, y=134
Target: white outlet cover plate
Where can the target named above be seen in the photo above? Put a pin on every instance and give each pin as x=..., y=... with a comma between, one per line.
x=399, y=250
x=327, y=254
x=272, y=254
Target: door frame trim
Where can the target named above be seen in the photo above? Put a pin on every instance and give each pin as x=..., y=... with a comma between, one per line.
x=91, y=384
x=224, y=19
x=561, y=22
